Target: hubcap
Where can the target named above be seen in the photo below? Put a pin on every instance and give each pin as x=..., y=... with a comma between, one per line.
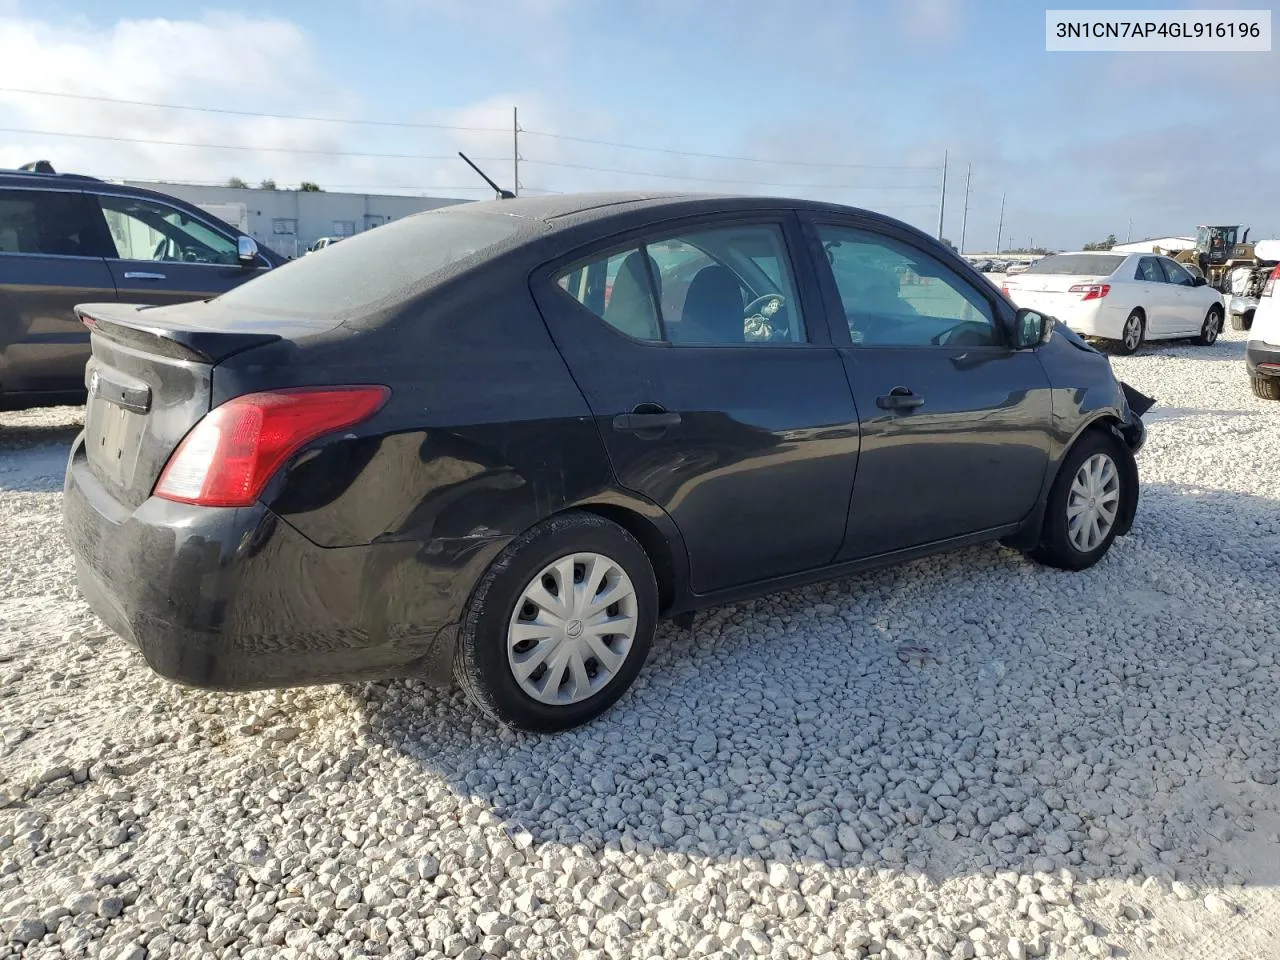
x=1211, y=327
x=1132, y=331
x=572, y=629
x=1093, y=502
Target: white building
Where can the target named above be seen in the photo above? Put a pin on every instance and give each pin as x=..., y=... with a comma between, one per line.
x=1149, y=245
x=289, y=221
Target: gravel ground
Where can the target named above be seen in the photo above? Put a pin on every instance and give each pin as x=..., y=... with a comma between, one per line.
x=1072, y=765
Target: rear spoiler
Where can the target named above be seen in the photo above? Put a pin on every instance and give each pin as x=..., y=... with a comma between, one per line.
x=130, y=325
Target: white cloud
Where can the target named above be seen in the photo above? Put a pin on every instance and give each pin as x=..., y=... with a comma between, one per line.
x=930, y=20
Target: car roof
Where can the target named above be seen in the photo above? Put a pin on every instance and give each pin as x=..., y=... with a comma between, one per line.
x=561, y=211
x=17, y=178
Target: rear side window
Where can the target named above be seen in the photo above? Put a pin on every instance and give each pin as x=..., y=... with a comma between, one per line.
x=1078, y=264
x=47, y=222
x=376, y=269
x=729, y=286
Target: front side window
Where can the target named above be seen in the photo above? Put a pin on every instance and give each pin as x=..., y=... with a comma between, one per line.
x=145, y=230
x=1149, y=270
x=729, y=286
x=50, y=223
x=894, y=294
x=1175, y=273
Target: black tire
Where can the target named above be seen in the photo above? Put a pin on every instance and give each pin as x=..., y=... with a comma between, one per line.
x=481, y=660
x=1242, y=321
x=1266, y=388
x=1211, y=327
x=1056, y=548
x=1127, y=344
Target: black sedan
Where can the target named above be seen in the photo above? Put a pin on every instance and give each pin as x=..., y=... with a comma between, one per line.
x=498, y=442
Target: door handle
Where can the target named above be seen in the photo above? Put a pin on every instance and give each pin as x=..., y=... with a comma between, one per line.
x=899, y=398
x=139, y=275
x=658, y=420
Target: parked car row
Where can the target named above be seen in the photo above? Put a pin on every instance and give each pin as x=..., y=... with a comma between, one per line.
x=66, y=239
x=498, y=441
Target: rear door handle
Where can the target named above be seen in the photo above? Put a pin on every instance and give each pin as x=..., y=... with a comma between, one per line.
x=899, y=398
x=646, y=421
x=139, y=275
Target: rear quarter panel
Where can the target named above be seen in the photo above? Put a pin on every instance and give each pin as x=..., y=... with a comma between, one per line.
x=485, y=432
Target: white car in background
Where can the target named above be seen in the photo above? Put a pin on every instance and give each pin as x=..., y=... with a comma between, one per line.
x=1124, y=298
x=1262, y=352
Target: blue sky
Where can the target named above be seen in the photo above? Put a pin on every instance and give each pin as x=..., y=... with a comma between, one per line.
x=852, y=101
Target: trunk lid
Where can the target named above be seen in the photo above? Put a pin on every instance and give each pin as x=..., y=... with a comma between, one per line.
x=1048, y=292
x=149, y=382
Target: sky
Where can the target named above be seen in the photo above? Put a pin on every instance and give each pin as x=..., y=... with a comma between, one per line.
x=855, y=101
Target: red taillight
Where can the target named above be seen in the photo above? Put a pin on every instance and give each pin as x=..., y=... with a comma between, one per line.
x=1270, y=285
x=228, y=457
x=1091, y=291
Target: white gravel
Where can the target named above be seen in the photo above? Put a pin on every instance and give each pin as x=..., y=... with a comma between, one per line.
x=1074, y=765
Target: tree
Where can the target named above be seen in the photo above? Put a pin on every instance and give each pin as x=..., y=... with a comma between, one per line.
x=309, y=187
x=267, y=184
x=1106, y=244
x=237, y=183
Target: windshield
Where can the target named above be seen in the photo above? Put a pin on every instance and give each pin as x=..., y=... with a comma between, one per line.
x=1078, y=264
x=377, y=268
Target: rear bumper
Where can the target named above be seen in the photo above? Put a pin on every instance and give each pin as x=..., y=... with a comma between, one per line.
x=1090, y=318
x=236, y=598
x=1262, y=359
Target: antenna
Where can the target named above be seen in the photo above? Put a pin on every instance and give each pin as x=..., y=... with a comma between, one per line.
x=502, y=194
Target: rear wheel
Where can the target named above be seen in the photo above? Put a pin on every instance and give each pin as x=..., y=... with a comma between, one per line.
x=1211, y=327
x=559, y=625
x=1266, y=388
x=1242, y=321
x=1131, y=334
x=1084, y=504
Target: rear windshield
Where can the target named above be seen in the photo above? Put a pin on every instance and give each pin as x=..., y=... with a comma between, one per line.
x=1079, y=264
x=374, y=269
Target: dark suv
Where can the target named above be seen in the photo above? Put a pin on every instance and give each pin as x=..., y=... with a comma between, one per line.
x=66, y=239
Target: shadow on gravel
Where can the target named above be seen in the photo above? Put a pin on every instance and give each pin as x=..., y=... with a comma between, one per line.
x=1222, y=350
x=33, y=457
x=1118, y=721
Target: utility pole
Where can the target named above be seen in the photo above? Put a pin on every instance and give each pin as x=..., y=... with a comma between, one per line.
x=964, y=220
x=1128, y=232
x=942, y=202
x=515, y=150
x=1000, y=229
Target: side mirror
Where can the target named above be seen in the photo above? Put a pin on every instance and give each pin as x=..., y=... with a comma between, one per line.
x=247, y=251
x=1198, y=281
x=1033, y=329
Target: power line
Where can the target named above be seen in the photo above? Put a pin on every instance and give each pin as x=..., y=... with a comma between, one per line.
x=720, y=156
x=444, y=126
x=233, y=146
x=753, y=183
x=249, y=113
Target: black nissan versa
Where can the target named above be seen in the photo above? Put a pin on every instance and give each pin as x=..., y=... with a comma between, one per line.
x=500, y=441
x=65, y=239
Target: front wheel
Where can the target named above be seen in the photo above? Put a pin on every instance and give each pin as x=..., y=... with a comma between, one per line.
x=1211, y=327
x=1131, y=334
x=1084, y=504
x=559, y=625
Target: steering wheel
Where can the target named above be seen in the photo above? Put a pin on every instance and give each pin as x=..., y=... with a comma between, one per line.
x=760, y=315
